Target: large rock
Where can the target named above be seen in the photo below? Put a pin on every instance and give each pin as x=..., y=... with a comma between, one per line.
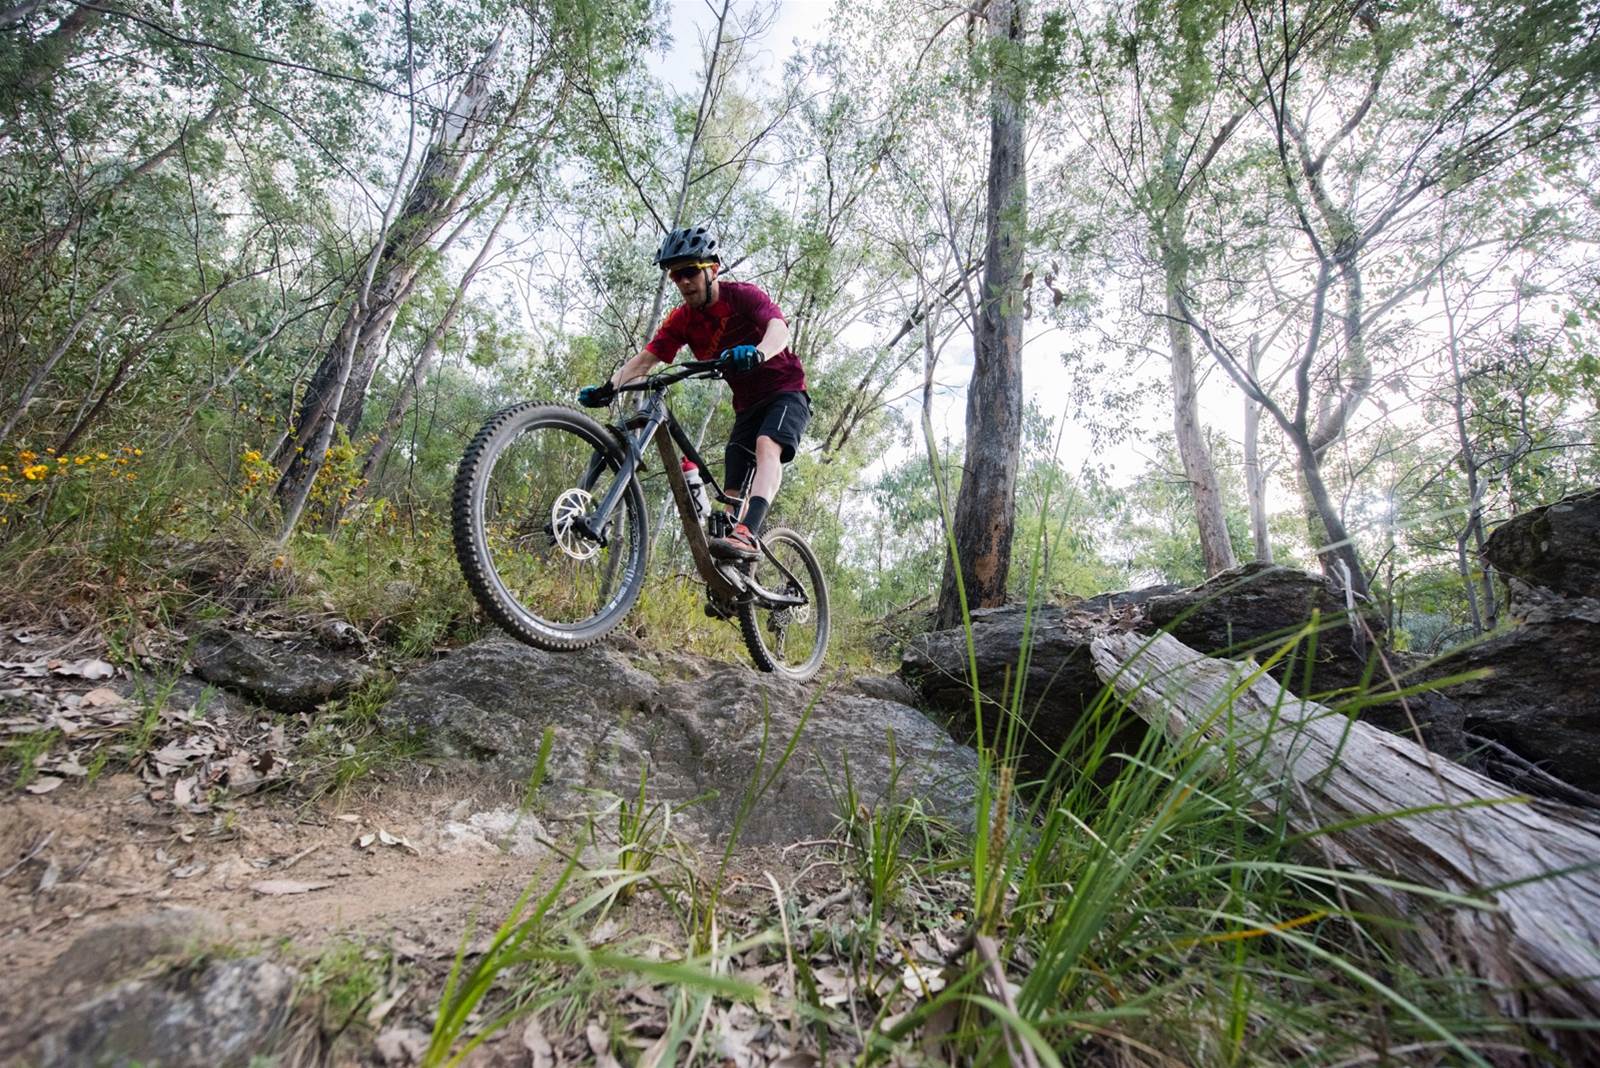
x=707, y=736
x=220, y=1014
x=1249, y=611
x=1254, y=609
x=1556, y=547
x=1540, y=694
x=287, y=676
x=117, y=950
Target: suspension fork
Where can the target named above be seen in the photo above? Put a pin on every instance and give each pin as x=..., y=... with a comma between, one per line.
x=593, y=525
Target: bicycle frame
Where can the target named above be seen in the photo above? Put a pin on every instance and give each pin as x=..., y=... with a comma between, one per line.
x=726, y=582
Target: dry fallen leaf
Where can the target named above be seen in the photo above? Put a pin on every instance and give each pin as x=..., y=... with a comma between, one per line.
x=533, y=1040
x=365, y=841
x=395, y=840
x=276, y=887
x=379, y=1012
x=401, y=1045
x=922, y=981
x=90, y=668
x=600, y=1045
x=29, y=669
x=44, y=784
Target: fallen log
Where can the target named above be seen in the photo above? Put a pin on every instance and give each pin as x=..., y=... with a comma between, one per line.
x=1535, y=944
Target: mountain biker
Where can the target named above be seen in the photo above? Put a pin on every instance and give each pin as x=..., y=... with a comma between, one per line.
x=770, y=403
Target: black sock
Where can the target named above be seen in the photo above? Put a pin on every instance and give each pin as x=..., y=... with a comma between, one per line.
x=755, y=512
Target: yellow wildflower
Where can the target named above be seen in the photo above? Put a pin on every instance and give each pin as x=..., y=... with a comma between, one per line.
x=101, y=456
x=35, y=472
x=80, y=460
x=27, y=457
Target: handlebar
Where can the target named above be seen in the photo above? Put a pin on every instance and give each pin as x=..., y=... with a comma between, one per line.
x=697, y=369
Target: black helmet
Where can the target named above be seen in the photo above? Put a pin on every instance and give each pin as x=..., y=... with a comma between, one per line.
x=690, y=243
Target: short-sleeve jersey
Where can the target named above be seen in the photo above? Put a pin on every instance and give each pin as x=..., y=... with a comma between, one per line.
x=739, y=316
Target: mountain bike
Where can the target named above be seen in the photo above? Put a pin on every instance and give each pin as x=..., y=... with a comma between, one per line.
x=551, y=531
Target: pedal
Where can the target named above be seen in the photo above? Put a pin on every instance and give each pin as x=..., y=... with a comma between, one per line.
x=716, y=611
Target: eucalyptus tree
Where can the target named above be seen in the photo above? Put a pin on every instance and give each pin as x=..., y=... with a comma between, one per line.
x=1516, y=405
x=496, y=130
x=1156, y=118
x=985, y=510
x=153, y=196
x=1374, y=122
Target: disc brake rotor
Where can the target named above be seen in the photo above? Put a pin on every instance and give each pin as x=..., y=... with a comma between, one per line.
x=569, y=507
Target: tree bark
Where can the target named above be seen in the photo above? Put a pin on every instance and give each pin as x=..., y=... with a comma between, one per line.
x=1335, y=548
x=350, y=362
x=985, y=514
x=1378, y=803
x=1255, y=477
x=59, y=350
x=1216, y=548
x=424, y=361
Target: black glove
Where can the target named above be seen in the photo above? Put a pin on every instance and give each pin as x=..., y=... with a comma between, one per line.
x=596, y=396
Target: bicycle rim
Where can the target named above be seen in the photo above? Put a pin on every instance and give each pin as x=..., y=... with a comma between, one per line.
x=529, y=473
x=788, y=641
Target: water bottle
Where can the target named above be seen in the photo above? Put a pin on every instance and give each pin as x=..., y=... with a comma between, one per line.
x=697, y=489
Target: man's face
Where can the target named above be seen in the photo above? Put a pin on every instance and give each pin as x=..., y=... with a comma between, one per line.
x=694, y=283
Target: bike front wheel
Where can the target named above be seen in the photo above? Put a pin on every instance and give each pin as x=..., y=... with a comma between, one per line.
x=526, y=480
x=789, y=641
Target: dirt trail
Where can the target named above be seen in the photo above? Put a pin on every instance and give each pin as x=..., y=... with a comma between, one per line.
x=104, y=853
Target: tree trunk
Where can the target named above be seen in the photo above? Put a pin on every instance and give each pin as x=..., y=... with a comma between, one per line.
x=42, y=372
x=1377, y=803
x=349, y=364
x=40, y=61
x=985, y=514
x=424, y=361
x=1332, y=541
x=1486, y=616
x=1215, y=546
x=1255, y=478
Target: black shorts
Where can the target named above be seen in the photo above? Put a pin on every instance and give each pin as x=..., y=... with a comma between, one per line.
x=783, y=419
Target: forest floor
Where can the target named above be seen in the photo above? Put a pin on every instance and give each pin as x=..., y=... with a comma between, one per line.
x=366, y=883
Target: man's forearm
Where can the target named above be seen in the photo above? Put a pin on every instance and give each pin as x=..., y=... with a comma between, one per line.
x=635, y=368
x=775, y=340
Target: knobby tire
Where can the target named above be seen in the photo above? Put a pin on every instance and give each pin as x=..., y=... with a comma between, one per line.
x=763, y=644
x=477, y=555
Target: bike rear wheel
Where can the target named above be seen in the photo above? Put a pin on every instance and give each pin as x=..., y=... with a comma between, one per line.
x=530, y=472
x=788, y=641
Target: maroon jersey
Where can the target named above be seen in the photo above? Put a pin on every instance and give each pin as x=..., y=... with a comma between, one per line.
x=739, y=316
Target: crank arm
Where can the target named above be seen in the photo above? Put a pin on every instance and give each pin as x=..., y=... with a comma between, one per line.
x=770, y=599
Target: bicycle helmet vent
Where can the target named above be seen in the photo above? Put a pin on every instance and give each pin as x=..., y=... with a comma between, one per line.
x=688, y=243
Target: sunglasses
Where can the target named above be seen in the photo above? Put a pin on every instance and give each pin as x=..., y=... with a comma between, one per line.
x=683, y=274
